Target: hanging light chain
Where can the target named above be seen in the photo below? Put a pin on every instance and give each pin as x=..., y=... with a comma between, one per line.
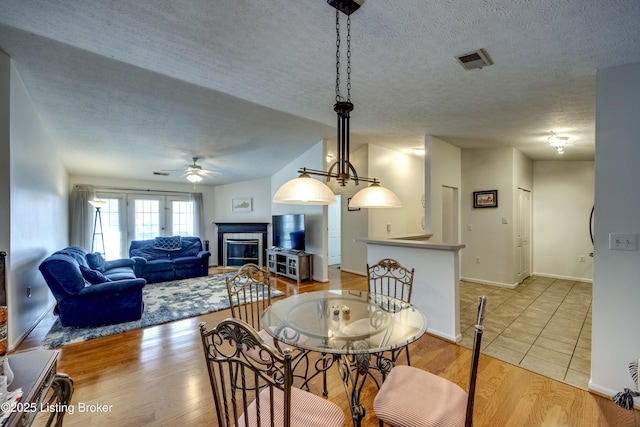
x=348, y=57
x=338, y=96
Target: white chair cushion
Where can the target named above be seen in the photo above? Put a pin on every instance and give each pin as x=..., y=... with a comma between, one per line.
x=307, y=410
x=414, y=397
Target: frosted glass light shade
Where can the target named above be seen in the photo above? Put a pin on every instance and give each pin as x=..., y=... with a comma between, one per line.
x=194, y=177
x=375, y=196
x=304, y=190
x=97, y=203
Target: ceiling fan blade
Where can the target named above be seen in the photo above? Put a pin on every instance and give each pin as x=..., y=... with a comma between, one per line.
x=193, y=169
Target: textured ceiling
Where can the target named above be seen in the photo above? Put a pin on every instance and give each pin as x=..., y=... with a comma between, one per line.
x=126, y=88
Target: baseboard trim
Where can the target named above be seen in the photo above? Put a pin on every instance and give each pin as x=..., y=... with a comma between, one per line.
x=608, y=393
x=488, y=282
x=359, y=273
x=450, y=338
x=33, y=326
x=556, y=276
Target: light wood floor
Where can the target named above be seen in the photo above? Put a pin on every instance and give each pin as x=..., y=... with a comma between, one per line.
x=157, y=377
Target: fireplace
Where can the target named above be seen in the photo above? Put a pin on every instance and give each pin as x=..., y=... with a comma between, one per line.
x=242, y=251
x=240, y=243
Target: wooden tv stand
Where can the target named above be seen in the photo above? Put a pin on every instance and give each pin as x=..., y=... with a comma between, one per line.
x=296, y=265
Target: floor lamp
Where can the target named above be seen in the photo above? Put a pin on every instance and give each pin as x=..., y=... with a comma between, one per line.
x=98, y=219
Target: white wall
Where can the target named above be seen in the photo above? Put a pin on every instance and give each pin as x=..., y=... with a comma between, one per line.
x=563, y=195
x=443, y=168
x=316, y=225
x=260, y=192
x=401, y=173
x=616, y=278
x=354, y=224
x=404, y=175
x=484, y=234
x=38, y=218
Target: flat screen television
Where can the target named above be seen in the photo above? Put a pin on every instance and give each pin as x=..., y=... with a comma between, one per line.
x=288, y=231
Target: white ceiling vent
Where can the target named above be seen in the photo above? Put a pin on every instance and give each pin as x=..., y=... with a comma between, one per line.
x=474, y=60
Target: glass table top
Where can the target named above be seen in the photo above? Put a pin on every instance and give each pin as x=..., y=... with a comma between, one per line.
x=344, y=322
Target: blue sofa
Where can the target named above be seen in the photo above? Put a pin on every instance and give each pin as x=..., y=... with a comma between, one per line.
x=90, y=291
x=169, y=258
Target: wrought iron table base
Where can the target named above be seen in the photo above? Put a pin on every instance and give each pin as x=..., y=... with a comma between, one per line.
x=354, y=370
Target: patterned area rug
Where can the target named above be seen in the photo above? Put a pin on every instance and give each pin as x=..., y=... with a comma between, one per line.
x=163, y=302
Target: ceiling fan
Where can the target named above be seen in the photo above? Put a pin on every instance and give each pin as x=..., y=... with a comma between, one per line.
x=194, y=172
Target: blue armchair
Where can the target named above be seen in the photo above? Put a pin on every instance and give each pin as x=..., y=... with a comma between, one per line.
x=88, y=296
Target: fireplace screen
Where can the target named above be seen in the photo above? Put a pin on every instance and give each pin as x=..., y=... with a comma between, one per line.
x=242, y=251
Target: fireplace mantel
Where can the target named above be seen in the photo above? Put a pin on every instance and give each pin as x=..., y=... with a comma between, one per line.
x=240, y=227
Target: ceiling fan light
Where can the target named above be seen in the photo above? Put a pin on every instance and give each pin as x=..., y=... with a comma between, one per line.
x=304, y=190
x=375, y=196
x=194, y=178
x=557, y=141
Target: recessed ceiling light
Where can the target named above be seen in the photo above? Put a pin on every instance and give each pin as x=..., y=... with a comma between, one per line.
x=418, y=151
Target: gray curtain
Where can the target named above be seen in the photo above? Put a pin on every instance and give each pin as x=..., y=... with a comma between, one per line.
x=81, y=216
x=198, y=214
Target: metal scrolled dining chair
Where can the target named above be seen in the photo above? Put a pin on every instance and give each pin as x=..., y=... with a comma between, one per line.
x=389, y=278
x=417, y=398
x=249, y=292
x=254, y=393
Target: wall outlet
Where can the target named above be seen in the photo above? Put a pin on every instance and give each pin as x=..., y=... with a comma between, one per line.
x=623, y=242
x=477, y=260
x=469, y=227
x=389, y=226
x=582, y=258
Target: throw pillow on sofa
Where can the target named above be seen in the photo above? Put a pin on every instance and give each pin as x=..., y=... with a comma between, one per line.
x=190, y=248
x=93, y=276
x=95, y=260
x=173, y=243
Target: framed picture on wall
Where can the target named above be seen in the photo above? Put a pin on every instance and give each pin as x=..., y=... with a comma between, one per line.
x=242, y=204
x=485, y=199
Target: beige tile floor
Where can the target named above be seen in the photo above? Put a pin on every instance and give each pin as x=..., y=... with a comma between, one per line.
x=544, y=325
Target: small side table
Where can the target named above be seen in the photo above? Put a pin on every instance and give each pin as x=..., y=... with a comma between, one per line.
x=36, y=373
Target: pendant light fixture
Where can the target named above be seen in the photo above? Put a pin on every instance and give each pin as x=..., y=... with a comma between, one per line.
x=307, y=190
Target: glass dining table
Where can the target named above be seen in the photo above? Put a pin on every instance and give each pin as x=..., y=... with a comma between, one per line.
x=350, y=328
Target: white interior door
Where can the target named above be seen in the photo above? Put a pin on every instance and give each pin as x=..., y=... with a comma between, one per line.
x=523, y=241
x=335, y=221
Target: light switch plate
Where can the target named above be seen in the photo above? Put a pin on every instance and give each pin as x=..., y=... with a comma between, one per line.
x=623, y=242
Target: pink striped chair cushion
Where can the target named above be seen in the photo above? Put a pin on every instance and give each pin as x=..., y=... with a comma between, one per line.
x=414, y=397
x=307, y=410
